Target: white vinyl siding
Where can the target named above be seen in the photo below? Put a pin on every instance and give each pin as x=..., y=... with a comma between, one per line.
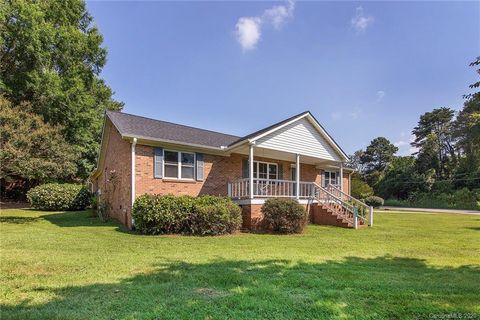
x=299, y=137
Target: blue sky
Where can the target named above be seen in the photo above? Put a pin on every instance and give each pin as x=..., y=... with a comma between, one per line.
x=364, y=69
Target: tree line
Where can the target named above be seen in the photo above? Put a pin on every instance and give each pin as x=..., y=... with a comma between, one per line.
x=52, y=99
x=443, y=172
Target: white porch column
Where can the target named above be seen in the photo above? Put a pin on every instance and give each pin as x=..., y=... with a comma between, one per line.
x=297, y=177
x=134, y=143
x=341, y=176
x=250, y=170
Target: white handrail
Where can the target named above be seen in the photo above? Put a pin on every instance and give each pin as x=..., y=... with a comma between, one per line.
x=348, y=196
x=362, y=212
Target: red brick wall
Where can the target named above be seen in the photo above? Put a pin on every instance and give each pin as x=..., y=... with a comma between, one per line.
x=218, y=171
x=118, y=161
x=346, y=183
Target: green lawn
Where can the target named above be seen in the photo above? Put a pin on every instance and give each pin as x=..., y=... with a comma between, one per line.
x=71, y=266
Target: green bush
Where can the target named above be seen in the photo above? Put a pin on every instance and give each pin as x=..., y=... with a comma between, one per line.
x=374, y=201
x=56, y=196
x=206, y=215
x=214, y=216
x=284, y=215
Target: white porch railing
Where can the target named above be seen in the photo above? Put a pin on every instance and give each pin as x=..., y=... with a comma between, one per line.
x=352, y=209
x=265, y=188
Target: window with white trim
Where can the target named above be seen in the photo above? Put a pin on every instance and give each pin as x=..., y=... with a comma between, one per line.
x=330, y=177
x=265, y=170
x=179, y=165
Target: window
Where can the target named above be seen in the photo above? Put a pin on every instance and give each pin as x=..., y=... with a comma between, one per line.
x=330, y=177
x=179, y=165
x=188, y=163
x=265, y=170
x=171, y=164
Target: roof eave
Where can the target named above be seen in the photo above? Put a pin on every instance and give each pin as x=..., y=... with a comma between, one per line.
x=152, y=139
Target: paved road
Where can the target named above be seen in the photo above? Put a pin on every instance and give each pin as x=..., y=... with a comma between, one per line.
x=474, y=212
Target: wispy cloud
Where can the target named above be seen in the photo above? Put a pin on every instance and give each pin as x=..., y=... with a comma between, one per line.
x=361, y=22
x=403, y=144
x=354, y=114
x=380, y=95
x=249, y=29
x=336, y=115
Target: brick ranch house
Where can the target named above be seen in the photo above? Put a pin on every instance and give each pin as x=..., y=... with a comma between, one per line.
x=293, y=158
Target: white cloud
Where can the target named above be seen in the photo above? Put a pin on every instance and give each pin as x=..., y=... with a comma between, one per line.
x=248, y=32
x=249, y=29
x=403, y=144
x=354, y=114
x=361, y=22
x=400, y=143
x=278, y=15
x=380, y=95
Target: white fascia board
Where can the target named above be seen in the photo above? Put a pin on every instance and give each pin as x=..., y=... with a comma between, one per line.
x=193, y=145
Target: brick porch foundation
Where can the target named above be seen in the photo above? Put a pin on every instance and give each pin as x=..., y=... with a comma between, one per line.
x=252, y=216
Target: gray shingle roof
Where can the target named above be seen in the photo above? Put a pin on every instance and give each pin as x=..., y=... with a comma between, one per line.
x=132, y=125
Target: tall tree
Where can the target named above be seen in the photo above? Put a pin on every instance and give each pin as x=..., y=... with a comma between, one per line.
x=376, y=157
x=355, y=161
x=51, y=57
x=434, y=140
x=32, y=150
x=467, y=133
x=378, y=154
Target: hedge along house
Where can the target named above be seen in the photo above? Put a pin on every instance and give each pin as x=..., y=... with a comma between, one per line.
x=294, y=158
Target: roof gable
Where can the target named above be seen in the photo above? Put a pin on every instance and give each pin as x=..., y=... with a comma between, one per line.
x=300, y=128
x=299, y=136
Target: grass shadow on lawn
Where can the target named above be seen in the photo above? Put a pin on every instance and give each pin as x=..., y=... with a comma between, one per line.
x=84, y=218
x=382, y=287
x=17, y=219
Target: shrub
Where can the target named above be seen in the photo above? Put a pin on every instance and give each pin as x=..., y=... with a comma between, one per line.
x=284, y=215
x=56, y=196
x=221, y=217
x=207, y=215
x=374, y=201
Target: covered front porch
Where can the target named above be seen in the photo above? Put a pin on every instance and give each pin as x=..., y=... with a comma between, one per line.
x=272, y=173
x=296, y=159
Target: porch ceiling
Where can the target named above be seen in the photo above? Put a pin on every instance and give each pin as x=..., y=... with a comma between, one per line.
x=285, y=156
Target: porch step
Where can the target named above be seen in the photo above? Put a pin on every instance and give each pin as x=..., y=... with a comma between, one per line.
x=328, y=215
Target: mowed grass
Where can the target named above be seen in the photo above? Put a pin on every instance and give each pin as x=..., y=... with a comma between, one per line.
x=71, y=266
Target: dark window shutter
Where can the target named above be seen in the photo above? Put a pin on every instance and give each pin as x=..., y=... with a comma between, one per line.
x=245, y=168
x=280, y=171
x=199, y=166
x=158, y=163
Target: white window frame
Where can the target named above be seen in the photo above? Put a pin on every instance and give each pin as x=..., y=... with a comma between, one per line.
x=179, y=165
x=257, y=165
x=337, y=180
